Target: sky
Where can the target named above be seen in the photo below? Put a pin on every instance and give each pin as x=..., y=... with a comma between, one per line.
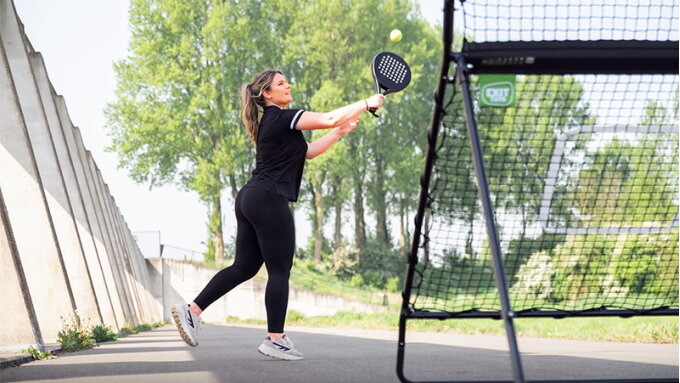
x=80, y=40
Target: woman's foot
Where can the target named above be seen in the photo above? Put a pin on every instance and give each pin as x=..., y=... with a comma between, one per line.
x=280, y=349
x=187, y=323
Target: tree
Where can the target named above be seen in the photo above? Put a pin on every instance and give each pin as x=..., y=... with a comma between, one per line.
x=329, y=60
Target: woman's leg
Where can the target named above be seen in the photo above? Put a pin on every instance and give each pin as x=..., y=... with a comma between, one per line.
x=247, y=262
x=273, y=222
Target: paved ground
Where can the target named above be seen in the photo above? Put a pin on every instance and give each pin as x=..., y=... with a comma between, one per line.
x=228, y=354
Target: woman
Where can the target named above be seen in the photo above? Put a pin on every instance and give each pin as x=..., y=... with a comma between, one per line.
x=265, y=228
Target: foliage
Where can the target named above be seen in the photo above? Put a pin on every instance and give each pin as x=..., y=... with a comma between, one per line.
x=343, y=261
x=102, y=333
x=393, y=284
x=125, y=331
x=143, y=327
x=521, y=248
x=534, y=278
x=647, y=264
x=75, y=334
x=294, y=316
x=626, y=265
x=37, y=354
x=378, y=263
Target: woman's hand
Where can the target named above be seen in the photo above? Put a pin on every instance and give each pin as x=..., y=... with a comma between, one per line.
x=375, y=101
x=319, y=146
x=349, y=126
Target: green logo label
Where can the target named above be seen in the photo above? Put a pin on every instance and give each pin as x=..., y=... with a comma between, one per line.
x=497, y=90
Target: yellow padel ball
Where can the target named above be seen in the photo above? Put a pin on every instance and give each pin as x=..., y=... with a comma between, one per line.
x=395, y=35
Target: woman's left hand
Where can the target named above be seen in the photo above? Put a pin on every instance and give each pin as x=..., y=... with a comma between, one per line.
x=349, y=126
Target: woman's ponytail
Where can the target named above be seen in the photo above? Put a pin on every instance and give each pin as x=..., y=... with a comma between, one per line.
x=251, y=98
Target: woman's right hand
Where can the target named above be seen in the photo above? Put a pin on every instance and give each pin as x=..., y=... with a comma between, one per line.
x=375, y=101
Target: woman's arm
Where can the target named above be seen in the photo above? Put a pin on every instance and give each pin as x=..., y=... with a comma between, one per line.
x=317, y=147
x=338, y=117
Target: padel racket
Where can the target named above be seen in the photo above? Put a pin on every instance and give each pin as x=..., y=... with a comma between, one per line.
x=390, y=73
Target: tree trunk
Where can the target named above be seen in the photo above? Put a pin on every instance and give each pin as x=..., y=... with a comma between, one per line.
x=469, y=239
x=216, y=226
x=234, y=188
x=381, y=233
x=337, y=237
x=319, y=218
x=359, y=222
x=403, y=235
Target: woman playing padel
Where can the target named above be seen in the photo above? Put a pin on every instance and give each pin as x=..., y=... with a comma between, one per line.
x=265, y=229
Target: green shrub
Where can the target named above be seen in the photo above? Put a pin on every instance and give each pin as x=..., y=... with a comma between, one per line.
x=126, y=330
x=583, y=262
x=294, y=316
x=372, y=279
x=37, y=354
x=103, y=333
x=142, y=327
x=356, y=281
x=74, y=335
x=159, y=324
x=393, y=284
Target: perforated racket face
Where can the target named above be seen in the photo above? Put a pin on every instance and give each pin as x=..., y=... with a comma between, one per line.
x=390, y=72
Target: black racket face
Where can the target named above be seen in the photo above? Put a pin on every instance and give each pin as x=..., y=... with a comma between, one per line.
x=390, y=72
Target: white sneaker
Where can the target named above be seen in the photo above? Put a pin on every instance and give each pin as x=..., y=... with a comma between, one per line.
x=187, y=323
x=281, y=349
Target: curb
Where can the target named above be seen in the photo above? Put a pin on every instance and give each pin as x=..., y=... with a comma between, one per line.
x=19, y=359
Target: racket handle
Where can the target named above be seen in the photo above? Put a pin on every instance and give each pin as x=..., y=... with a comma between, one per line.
x=372, y=110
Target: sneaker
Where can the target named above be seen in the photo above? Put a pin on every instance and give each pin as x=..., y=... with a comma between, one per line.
x=187, y=323
x=281, y=349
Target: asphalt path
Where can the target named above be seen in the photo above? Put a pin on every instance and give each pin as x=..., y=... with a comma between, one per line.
x=229, y=354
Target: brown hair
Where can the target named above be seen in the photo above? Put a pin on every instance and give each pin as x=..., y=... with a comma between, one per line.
x=251, y=97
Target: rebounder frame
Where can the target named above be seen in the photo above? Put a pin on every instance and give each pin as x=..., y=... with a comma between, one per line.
x=613, y=57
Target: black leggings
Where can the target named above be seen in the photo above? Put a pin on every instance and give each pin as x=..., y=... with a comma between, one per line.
x=265, y=233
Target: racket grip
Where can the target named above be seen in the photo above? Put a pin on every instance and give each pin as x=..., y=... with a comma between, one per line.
x=372, y=110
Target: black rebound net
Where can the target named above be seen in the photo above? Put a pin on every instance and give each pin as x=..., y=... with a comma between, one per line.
x=563, y=118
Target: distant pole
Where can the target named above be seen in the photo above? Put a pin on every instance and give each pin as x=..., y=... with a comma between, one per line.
x=161, y=246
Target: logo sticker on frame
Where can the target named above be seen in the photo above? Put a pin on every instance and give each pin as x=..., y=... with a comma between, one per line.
x=497, y=90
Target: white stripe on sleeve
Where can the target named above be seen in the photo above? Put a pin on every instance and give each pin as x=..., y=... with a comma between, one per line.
x=296, y=118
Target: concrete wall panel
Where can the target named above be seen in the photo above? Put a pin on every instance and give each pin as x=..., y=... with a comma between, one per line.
x=23, y=192
x=23, y=330
x=118, y=242
x=129, y=251
x=66, y=227
x=85, y=216
x=109, y=239
x=142, y=272
x=106, y=255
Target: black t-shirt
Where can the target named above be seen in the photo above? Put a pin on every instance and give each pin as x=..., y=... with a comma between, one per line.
x=280, y=154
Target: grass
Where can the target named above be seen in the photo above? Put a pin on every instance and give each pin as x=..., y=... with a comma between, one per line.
x=635, y=329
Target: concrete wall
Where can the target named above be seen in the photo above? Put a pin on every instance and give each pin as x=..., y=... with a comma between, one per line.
x=174, y=281
x=64, y=246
